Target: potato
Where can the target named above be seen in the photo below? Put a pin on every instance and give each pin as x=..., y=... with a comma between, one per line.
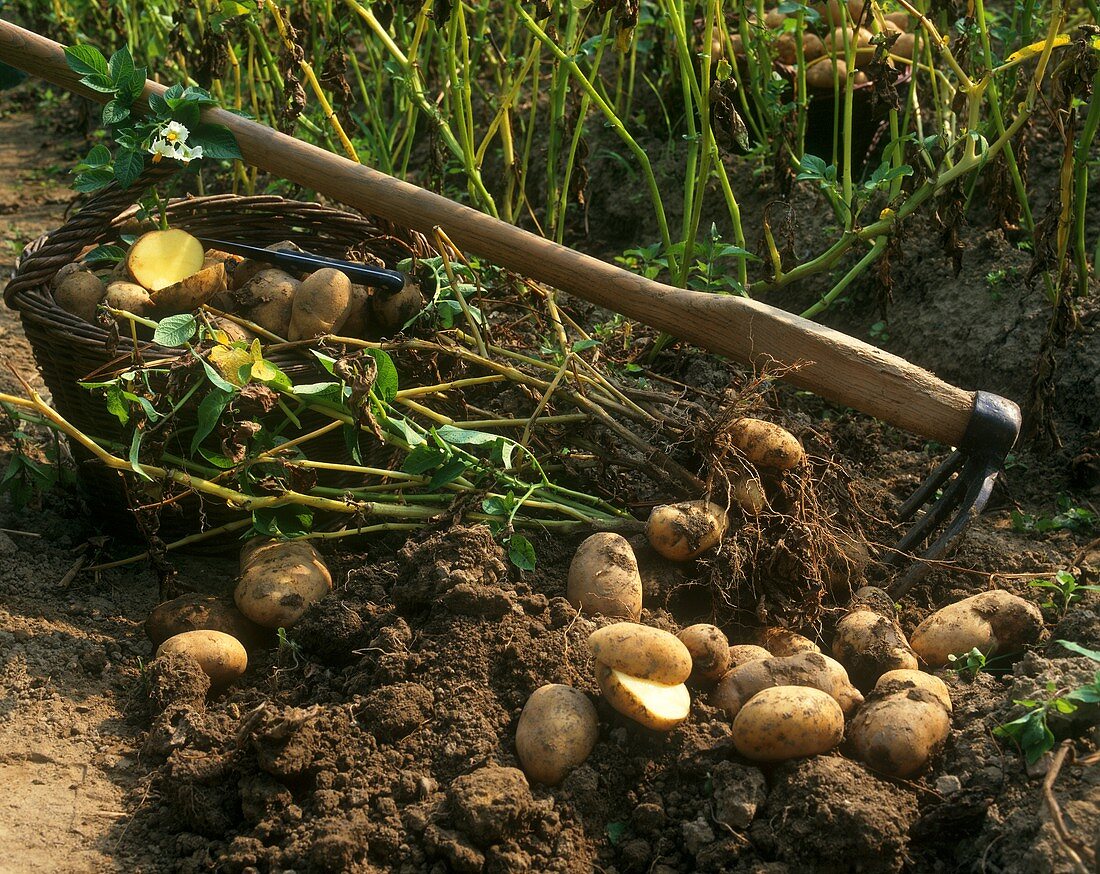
x=191, y=292
x=197, y=612
x=868, y=641
x=846, y=562
x=356, y=322
x=814, y=670
x=855, y=9
x=749, y=494
x=836, y=42
x=243, y=273
x=66, y=271
x=993, y=622
x=604, y=578
x=899, y=19
x=746, y=652
x=556, y=732
x=221, y=656
x=821, y=74
x=787, y=722
x=781, y=642
x=897, y=734
x=833, y=12
x=773, y=18
x=682, y=531
x=279, y=580
x=268, y=300
x=765, y=444
x=655, y=705
x=902, y=680
x=391, y=311
x=129, y=296
x=320, y=303
x=79, y=292
x=903, y=46
x=786, y=47
x=233, y=332
x=159, y=259
x=709, y=649
x=641, y=651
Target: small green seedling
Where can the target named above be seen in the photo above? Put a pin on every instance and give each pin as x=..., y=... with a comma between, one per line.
x=1068, y=518
x=973, y=662
x=1068, y=590
x=1032, y=732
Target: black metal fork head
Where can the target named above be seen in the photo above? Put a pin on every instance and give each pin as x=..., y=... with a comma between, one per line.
x=956, y=491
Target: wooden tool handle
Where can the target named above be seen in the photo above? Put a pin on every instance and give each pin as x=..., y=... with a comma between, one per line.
x=831, y=364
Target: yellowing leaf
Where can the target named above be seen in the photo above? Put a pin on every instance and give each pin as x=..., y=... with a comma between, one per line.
x=229, y=362
x=264, y=371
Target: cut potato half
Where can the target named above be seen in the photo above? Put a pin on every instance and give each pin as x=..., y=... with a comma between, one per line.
x=192, y=291
x=162, y=258
x=653, y=705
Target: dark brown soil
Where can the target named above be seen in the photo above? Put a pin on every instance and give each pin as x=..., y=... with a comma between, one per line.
x=380, y=735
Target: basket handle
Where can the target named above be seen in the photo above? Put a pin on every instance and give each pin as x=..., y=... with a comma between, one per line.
x=37, y=265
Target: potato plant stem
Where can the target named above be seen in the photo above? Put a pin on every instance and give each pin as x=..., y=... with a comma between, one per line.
x=613, y=120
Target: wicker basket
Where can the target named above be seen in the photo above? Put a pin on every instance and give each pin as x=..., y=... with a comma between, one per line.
x=69, y=350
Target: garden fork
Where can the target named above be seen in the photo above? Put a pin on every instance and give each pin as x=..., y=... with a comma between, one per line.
x=840, y=368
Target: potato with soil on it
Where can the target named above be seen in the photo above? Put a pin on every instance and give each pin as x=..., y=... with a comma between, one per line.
x=320, y=303
x=766, y=444
x=78, y=291
x=356, y=322
x=749, y=493
x=222, y=657
x=232, y=331
x=787, y=722
x=603, y=577
x=683, y=531
x=268, y=300
x=784, y=642
x=710, y=651
x=996, y=622
x=746, y=652
x=868, y=640
x=898, y=733
x=279, y=581
x=129, y=297
x=903, y=680
x=813, y=670
x=198, y=612
x=159, y=259
x=391, y=311
x=556, y=732
x=191, y=292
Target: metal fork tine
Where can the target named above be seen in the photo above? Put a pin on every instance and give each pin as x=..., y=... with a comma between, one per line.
x=972, y=503
x=928, y=488
x=933, y=516
x=994, y=426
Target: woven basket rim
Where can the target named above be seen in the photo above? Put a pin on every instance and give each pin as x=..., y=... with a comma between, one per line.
x=29, y=294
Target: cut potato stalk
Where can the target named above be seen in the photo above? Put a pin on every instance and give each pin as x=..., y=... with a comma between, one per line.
x=162, y=258
x=653, y=705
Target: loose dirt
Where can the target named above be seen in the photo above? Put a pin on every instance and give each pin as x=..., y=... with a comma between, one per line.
x=379, y=736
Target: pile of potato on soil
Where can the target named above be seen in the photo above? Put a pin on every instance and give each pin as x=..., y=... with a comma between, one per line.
x=825, y=55
x=168, y=272
x=785, y=698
